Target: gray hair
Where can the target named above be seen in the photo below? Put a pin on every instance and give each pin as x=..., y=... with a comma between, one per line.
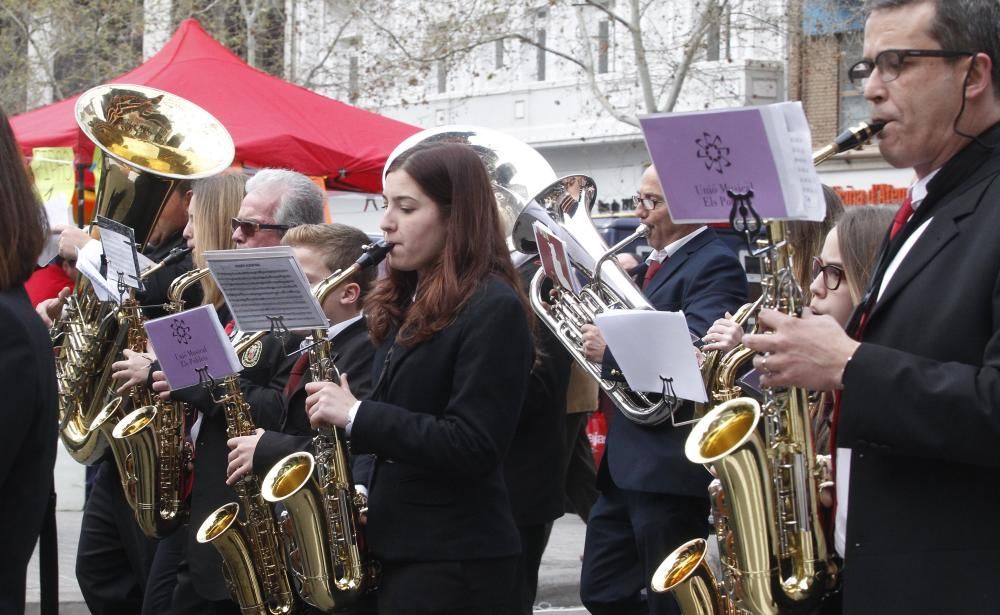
x=960, y=25
x=300, y=200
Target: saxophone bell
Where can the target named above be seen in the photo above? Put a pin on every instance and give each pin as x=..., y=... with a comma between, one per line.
x=686, y=573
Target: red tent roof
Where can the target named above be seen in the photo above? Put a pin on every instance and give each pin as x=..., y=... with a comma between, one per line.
x=273, y=123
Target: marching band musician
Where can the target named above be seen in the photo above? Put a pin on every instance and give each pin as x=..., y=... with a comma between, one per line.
x=27, y=374
x=114, y=556
x=918, y=427
x=271, y=195
x=453, y=336
x=652, y=498
x=213, y=203
x=320, y=250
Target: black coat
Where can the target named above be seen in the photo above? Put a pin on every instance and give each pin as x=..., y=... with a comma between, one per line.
x=440, y=421
x=28, y=452
x=921, y=410
x=533, y=470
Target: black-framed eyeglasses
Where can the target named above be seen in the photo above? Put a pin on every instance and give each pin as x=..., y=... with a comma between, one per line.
x=890, y=62
x=833, y=275
x=648, y=203
x=250, y=227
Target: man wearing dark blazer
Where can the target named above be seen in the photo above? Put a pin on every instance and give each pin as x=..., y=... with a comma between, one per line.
x=652, y=498
x=918, y=433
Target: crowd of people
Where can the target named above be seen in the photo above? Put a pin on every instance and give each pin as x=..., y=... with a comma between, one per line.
x=463, y=417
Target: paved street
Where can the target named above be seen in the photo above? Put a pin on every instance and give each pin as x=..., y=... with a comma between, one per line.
x=558, y=579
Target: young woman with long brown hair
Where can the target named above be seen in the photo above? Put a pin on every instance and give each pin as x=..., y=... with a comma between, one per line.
x=454, y=351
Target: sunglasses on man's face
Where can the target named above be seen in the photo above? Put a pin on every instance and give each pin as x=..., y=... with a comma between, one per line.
x=250, y=227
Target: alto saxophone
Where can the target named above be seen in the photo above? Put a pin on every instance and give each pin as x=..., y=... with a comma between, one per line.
x=156, y=470
x=771, y=542
x=321, y=525
x=252, y=558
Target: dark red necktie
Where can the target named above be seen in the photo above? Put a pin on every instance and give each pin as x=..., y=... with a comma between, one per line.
x=651, y=270
x=230, y=326
x=298, y=370
x=904, y=213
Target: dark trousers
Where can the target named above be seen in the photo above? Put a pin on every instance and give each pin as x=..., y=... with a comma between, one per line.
x=629, y=534
x=163, y=573
x=533, y=541
x=482, y=587
x=114, y=556
x=581, y=473
x=187, y=601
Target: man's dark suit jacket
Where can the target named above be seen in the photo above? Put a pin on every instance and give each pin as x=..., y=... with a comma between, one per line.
x=28, y=451
x=921, y=410
x=353, y=352
x=704, y=279
x=262, y=381
x=440, y=420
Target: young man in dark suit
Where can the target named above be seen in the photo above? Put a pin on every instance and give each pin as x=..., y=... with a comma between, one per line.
x=320, y=250
x=652, y=498
x=918, y=432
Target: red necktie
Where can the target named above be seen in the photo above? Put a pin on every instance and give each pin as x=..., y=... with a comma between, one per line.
x=651, y=270
x=295, y=376
x=904, y=213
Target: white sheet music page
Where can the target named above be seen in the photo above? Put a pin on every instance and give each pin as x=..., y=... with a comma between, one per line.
x=264, y=284
x=650, y=345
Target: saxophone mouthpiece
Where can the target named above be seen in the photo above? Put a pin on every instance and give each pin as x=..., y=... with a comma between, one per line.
x=175, y=256
x=374, y=253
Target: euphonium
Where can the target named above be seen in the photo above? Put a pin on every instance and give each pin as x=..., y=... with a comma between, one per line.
x=156, y=469
x=321, y=525
x=564, y=207
x=150, y=140
x=252, y=558
x=771, y=541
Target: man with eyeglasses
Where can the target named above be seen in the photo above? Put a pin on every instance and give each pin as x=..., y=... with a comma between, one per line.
x=917, y=432
x=653, y=499
x=276, y=200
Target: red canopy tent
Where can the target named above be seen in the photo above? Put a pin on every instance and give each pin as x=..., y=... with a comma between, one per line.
x=273, y=123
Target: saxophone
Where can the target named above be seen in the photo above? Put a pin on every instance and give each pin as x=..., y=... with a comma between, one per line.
x=252, y=558
x=764, y=502
x=321, y=526
x=156, y=468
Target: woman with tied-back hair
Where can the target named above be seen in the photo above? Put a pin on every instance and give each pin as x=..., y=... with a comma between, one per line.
x=27, y=376
x=454, y=351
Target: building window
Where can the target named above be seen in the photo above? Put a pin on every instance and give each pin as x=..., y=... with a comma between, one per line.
x=442, y=77
x=540, y=54
x=853, y=106
x=352, y=77
x=603, y=45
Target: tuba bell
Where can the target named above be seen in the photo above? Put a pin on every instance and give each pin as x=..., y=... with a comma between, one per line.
x=150, y=140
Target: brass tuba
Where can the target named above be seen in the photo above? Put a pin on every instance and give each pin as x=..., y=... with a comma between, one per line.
x=321, y=523
x=150, y=140
x=253, y=562
x=771, y=541
x=564, y=208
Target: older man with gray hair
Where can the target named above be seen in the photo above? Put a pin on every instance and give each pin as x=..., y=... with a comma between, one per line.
x=276, y=200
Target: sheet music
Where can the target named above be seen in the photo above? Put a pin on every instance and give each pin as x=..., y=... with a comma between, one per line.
x=191, y=340
x=260, y=284
x=58, y=212
x=118, y=242
x=649, y=345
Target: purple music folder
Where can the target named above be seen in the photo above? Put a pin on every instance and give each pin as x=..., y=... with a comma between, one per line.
x=189, y=341
x=699, y=156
